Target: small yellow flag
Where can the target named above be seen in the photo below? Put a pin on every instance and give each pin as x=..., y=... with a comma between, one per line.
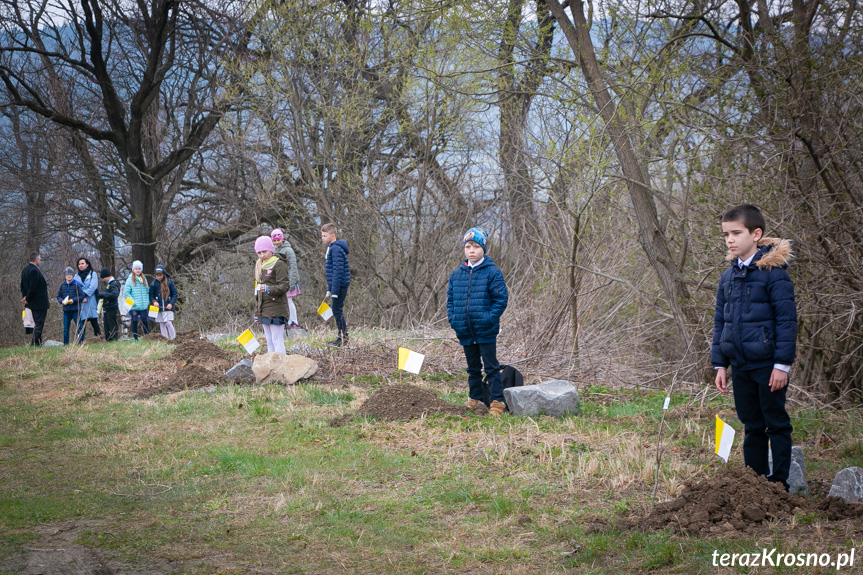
x=130, y=301
x=23, y=313
x=325, y=311
x=153, y=311
x=248, y=341
x=724, y=439
x=410, y=361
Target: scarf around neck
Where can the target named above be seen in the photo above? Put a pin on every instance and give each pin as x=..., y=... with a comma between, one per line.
x=270, y=263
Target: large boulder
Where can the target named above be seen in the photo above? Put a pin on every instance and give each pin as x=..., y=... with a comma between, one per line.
x=848, y=484
x=279, y=368
x=556, y=397
x=242, y=371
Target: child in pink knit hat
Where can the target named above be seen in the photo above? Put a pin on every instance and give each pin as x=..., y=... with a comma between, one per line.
x=271, y=306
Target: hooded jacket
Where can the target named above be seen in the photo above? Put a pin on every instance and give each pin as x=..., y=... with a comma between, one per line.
x=286, y=252
x=273, y=304
x=337, y=266
x=755, y=320
x=475, y=300
x=156, y=291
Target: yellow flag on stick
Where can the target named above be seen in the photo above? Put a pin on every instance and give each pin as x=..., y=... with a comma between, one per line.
x=247, y=340
x=153, y=311
x=724, y=439
x=130, y=302
x=325, y=311
x=410, y=361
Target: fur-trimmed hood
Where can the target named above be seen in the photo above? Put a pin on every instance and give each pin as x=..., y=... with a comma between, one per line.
x=778, y=253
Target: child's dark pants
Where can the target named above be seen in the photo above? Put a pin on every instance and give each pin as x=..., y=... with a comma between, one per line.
x=477, y=355
x=110, y=319
x=338, y=304
x=764, y=418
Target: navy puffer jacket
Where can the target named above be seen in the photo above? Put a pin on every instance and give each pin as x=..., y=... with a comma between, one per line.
x=475, y=300
x=755, y=321
x=337, y=266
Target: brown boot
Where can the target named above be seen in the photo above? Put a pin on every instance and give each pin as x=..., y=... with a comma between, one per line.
x=496, y=408
x=473, y=403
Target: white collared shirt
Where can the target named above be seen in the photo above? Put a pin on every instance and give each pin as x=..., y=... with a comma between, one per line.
x=470, y=265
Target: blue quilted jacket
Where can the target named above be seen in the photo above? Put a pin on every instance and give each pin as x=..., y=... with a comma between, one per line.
x=337, y=266
x=475, y=300
x=755, y=320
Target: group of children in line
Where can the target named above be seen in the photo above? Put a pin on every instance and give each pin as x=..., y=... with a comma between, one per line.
x=80, y=297
x=755, y=318
x=277, y=283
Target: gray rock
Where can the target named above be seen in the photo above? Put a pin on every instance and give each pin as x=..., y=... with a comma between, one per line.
x=796, y=455
x=301, y=348
x=217, y=336
x=797, y=480
x=210, y=389
x=295, y=333
x=848, y=484
x=286, y=369
x=52, y=343
x=242, y=371
x=556, y=397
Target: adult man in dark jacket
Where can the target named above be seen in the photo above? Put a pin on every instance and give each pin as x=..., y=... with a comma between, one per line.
x=34, y=295
x=110, y=306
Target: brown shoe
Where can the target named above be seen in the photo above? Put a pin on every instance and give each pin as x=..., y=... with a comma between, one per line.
x=473, y=403
x=496, y=408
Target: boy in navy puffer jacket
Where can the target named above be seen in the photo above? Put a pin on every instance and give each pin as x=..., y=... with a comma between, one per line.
x=476, y=297
x=71, y=296
x=755, y=331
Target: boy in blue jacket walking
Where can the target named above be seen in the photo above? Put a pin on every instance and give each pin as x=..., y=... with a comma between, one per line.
x=755, y=331
x=476, y=297
x=338, y=271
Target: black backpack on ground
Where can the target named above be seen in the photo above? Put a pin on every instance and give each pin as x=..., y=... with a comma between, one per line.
x=509, y=376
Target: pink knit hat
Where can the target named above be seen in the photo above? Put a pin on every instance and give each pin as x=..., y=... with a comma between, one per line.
x=277, y=233
x=264, y=244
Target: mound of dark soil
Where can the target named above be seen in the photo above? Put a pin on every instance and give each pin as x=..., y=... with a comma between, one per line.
x=155, y=335
x=198, y=351
x=187, y=336
x=189, y=376
x=402, y=402
x=736, y=500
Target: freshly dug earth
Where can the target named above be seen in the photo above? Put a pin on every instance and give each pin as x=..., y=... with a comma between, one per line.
x=736, y=500
x=198, y=351
x=189, y=376
x=402, y=402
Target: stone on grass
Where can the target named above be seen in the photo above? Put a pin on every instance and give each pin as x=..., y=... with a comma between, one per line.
x=217, y=336
x=797, y=484
x=556, y=397
x=295, y=333
x=285, y=369
x=52, y=343
x=301, y=348
x=242, y=371
x=848, y=484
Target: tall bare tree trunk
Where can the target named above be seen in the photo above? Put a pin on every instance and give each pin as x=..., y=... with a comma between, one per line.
x=622, y=128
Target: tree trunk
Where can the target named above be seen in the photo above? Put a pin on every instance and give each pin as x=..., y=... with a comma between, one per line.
x=620, y=126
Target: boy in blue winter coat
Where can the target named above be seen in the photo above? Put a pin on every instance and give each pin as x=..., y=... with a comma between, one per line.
x=72, y=297
x=338, y=271
x=476, y=297
x=755, y=331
